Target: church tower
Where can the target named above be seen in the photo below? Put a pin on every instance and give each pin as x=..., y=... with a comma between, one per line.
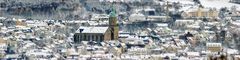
x=113, y=25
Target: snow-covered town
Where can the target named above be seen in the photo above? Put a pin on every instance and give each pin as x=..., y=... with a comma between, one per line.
x=119, y=29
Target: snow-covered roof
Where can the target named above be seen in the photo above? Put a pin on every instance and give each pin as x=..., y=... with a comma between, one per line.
x=217, y=3
x=92, y=29
x=124, y=35
x=184, y=21
x=12, y=56
x=37, y=23
x=120, y=1
x=194, y=9
x=99, y=16
x=235, y=23
x=149, y=9
x=37, y=52
x=137, y=16
x=161, y=24
x=30, y=22
x=2, y=18
x=193, y=53
x=182, y=1
x=185, y=8
x=232, y=51
x=193, y=26
x=214, y=44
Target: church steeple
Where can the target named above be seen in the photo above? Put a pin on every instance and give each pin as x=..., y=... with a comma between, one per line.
x=113, y=26
x=113, y=12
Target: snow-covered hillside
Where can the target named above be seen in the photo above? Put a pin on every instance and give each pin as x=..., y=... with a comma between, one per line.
x=218, y=3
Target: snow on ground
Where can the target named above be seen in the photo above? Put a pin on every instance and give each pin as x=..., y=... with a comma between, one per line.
x=218, y=4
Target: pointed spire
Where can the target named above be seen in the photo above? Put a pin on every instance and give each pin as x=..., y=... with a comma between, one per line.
x=113, y=11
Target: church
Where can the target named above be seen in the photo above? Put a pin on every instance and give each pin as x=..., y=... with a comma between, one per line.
x=99, y=34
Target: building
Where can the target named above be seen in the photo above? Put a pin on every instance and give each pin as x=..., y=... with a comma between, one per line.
x=98, y=34
x=3, y=47
x=39, y=54
x=214, y=47
x=136, y=17
x=99, y=17
x=113, y=25
x=200, y=12
x=237, y=57
x=180, y=24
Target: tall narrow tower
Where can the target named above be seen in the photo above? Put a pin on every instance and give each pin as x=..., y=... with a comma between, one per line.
x=113, y=25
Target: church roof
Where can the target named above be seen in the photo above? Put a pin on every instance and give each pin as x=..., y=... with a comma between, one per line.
x=92, y=30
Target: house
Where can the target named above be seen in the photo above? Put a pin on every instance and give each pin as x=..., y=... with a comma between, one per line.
x=98, y=34
x=13, y=57
x=149, y=11
x=3, y=47
x=135, y=17
x=158, y=18
x=19, y=22
x=39, y=54
x=72, y=54
x=99, y=17
x=199, y=12
x=236, y=57
x=193, y=54
x=123, y=35
x=214, y=47
x=180, y=24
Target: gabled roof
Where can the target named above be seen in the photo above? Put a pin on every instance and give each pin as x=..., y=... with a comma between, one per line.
x=92, y=29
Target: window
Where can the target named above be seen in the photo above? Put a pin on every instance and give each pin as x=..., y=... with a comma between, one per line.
x=97, y=38
x=84, y=38
x=89, y=37
x=92, y=38
x=80, y=37
x=76, y=38
x=151, y=13
x=101, y=38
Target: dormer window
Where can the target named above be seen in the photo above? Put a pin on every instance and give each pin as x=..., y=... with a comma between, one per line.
x=80, y=30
